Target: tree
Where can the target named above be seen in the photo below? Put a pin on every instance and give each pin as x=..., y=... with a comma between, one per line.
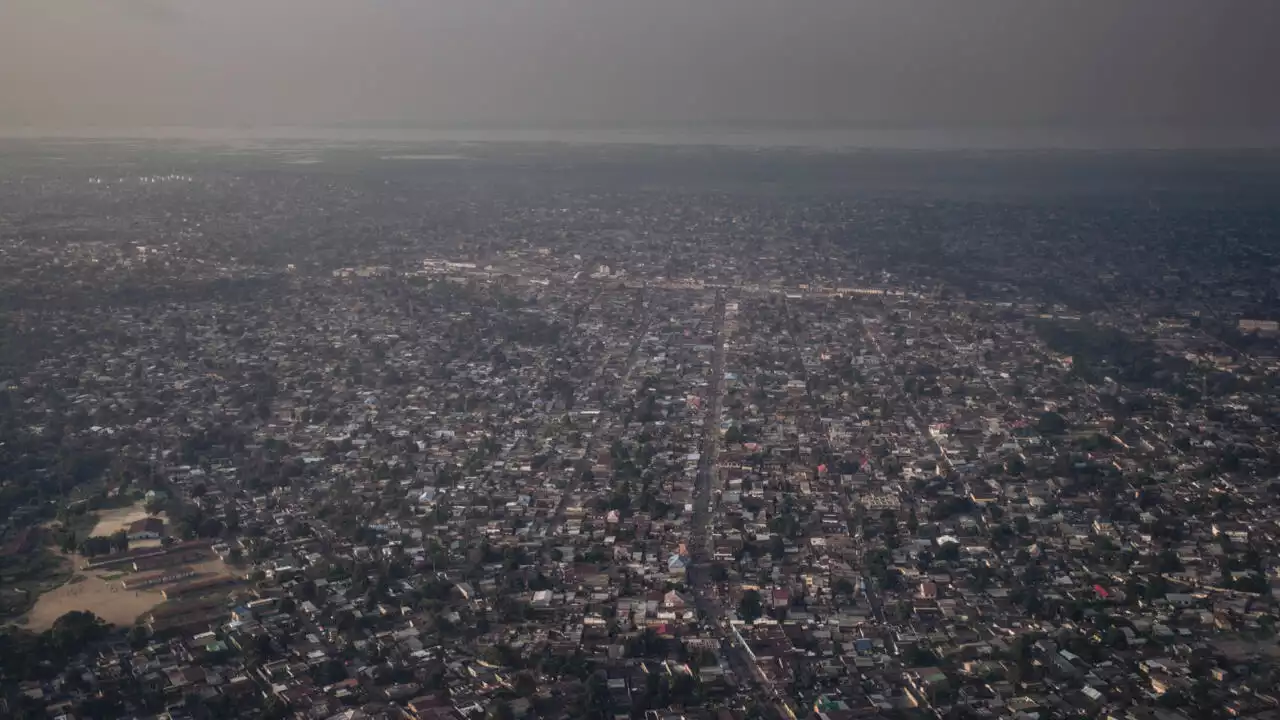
x=924, y=560
x=329, y=672
x=77, y=629
x=524, y=684
x=104, y=704
x=949, y=552
x=210, y=527
x=920, y=656
x=1168, y=562
x=500, y=655
x=259, y=649
x=733, y=435
x=138, y=636
x=719, y=573
x=1052, y=423
x=96, y=545
x=184, y=529
x=598, y=698
x=231, y=518
x=1022, y=524
x=1114, y=638
x=751, y=606
x=777, y=548
x=646, y=644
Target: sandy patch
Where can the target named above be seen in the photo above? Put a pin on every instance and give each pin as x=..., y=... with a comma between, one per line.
x=102, y=598
x=115, y=519
x=101, y=593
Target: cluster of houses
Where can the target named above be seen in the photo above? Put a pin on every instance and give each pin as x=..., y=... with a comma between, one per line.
x=617, y=454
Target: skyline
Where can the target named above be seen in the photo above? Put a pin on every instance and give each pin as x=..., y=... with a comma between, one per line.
x=1194, y=74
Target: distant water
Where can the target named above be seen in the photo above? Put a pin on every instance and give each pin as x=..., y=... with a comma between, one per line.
x=841, y=138
x=424, y=156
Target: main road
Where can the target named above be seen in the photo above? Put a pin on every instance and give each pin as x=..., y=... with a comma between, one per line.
x=706, y=478
x=701, y=546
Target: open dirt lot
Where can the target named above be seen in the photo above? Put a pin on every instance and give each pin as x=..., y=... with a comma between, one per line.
x=109, y=521
x=105, y=598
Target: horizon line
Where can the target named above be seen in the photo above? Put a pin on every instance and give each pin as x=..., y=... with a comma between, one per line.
x=758, y=135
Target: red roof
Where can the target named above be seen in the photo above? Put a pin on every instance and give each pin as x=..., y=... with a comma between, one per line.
x=1102, y=592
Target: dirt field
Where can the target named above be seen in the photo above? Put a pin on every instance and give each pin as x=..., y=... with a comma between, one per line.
x=105, y=598
x=110, y=521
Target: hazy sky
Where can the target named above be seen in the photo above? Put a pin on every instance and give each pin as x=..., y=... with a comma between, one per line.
x=1204, y=64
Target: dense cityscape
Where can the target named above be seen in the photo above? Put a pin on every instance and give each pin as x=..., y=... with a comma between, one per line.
x=572, y=432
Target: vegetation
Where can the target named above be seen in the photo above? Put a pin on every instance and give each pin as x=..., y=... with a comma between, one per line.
x=751, y=607
x=1098, y=353
x=24, y=577
x=30, y=656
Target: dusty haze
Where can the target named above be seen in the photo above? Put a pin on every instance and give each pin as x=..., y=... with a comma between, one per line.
x=1203, y=69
